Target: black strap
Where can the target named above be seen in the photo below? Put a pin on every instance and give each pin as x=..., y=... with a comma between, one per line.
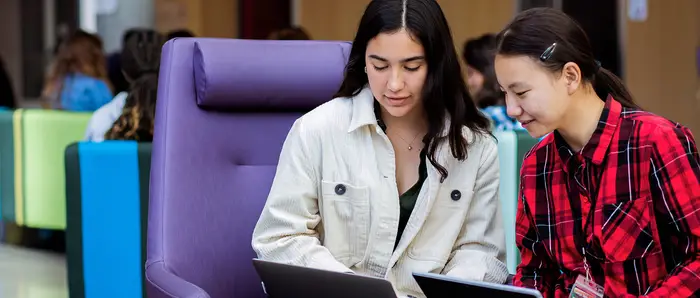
x=581, y=227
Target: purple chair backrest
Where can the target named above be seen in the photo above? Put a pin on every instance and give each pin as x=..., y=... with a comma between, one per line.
x=224, y=109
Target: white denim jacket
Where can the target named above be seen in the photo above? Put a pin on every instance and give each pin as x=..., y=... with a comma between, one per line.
x=334, y=204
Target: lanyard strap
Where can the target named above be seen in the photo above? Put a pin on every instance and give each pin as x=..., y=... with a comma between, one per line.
x=581, y=227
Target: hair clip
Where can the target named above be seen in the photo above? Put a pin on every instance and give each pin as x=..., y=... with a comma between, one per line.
x=548, y=52
x=597, y=65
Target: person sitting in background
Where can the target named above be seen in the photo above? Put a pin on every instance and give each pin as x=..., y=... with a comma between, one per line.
x=291, y=33
x=141, y=63
x=103, y=119
x=116, y=75
x=77, y=78
x=478, y=54
x=7, y=94
x=114, y=67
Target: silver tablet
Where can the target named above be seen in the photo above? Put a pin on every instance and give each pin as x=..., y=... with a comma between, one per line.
x=437, y=286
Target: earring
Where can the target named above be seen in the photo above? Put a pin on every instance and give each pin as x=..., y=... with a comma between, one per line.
x=365, y=69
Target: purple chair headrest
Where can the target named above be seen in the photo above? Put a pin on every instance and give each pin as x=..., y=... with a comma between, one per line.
x=267, y=74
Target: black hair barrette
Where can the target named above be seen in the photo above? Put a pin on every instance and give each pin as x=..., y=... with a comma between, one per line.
x=548, y=52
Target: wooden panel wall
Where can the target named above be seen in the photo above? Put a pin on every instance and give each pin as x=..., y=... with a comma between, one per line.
x=659, y=60
x=207, y=18
x=338, y=19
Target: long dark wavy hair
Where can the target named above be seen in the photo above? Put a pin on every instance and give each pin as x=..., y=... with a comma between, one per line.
x=445, y=94
x=140, y=63
x=538, y=30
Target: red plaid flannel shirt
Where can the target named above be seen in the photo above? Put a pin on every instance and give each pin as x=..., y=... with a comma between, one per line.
x=640, y=173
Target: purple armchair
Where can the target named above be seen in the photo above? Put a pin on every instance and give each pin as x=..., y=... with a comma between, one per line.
x=224, y=110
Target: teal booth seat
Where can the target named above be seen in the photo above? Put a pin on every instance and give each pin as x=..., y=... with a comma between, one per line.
x=107, y=211
x=512, y=147
x=7, y=171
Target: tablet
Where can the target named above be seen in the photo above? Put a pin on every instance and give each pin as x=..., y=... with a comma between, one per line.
x=288, y=281
x=438, y=286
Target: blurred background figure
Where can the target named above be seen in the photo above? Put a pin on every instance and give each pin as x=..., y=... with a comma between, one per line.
x=114, y=61
x=478, y=54
x=291, y=33
x=130, y=115
x=77, y=78
x=114, y=67
x=7, y=94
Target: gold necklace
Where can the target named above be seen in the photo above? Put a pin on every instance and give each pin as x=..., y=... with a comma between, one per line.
x=410, y=145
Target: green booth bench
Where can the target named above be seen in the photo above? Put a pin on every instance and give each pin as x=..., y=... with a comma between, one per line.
x=107, y=188
x=32, y=176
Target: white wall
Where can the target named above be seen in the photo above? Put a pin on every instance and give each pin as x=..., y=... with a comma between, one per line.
x=112, y=21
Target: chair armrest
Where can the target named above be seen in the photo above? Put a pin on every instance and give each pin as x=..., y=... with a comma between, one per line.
x=164, y=283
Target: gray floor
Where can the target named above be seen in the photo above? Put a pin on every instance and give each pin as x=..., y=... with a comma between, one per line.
x=28, y=273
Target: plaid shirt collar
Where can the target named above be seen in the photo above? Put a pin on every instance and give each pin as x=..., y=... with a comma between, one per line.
x=597, y=147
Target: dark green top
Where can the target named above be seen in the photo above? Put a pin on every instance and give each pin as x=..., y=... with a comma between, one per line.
x=408, y=199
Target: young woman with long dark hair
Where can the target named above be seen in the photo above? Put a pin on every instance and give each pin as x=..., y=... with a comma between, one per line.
x=397, y=174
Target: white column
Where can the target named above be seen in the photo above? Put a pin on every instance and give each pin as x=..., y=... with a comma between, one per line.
x=296, y=12
x=49, y=24
x=88, y=15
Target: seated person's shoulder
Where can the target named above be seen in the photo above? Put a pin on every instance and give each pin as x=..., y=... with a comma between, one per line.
x=651, y=128
x=481, y=146
x=88, y=93
x=104, y=117
x=329, y=118
x=543, y=146
x=532, y=160
x=479, y=141
x=88, y=82
x=101, y=88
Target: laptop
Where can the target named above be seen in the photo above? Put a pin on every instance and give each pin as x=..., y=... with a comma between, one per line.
x=438, y=286
x=288, y=281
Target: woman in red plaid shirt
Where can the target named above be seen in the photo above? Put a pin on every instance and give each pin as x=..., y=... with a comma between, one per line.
x=609, y=202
